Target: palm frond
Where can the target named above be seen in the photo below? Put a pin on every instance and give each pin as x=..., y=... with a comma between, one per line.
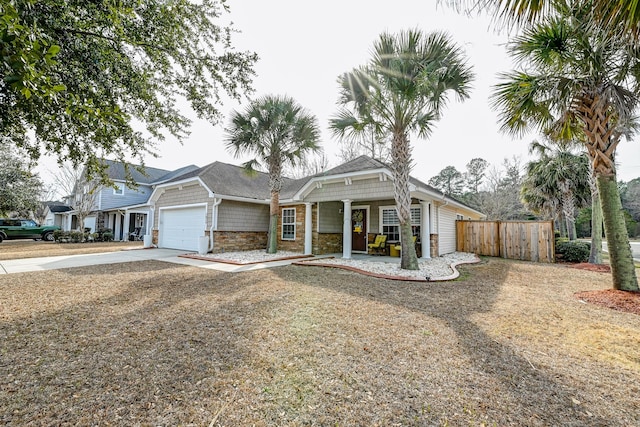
x=523, y=102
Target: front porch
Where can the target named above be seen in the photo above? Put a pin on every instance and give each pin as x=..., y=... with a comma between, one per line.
x=348, y=228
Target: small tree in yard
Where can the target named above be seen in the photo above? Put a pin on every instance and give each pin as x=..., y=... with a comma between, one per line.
x=278, y=131
x=72, y=182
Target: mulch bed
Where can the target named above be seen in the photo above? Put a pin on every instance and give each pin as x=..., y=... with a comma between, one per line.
x=600, y=268
x=626, y=301
x=629, y=302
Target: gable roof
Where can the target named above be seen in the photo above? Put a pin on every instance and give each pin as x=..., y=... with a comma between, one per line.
x=358, y=164
x=230, y=180
x=116, y=171
x=57, y=207
x=176, y=173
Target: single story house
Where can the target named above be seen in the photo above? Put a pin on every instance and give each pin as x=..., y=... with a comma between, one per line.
x=337, y=211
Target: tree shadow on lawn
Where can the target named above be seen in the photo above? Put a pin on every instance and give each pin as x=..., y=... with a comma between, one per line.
x=525, y=395
x=164, y=349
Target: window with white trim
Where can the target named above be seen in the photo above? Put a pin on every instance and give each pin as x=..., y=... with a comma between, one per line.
x=118, y=189
x=390, y=224
x=288, y=224
x=459, y=217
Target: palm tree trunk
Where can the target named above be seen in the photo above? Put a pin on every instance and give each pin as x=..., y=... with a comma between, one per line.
x=272, y=238
x=275, y=184
x=401, y=165
x=620, y=256
x=595, y=257
x=601, y=145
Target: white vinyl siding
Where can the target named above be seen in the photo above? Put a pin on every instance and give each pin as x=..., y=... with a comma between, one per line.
x=447, y=230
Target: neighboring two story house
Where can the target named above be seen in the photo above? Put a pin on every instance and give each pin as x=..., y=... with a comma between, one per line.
x=121, y=208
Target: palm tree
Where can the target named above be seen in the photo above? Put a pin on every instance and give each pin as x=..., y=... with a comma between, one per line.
x=358, y=131
x=278, y=131
x=583, y=75
x=558, y=178
x=615, y=15
x=402, y=90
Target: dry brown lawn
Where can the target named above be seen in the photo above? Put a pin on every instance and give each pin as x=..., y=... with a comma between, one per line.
x=153, y=343
x=15, y=249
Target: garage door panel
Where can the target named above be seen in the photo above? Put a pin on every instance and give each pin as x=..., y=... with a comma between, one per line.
x=181, y=228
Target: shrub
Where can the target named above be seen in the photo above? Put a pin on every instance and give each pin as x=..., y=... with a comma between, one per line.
x=76, y=236
x=573, y=251
x=107, y=236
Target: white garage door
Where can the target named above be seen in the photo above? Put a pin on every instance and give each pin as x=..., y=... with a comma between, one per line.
x=180, y=228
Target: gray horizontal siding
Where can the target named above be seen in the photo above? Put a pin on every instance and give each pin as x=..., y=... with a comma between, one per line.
x=131, y=196
x=365, y=189
x=330, y=220
x=239, y=216
x=188, y=195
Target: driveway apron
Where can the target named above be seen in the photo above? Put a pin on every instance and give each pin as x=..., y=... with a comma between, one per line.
x=166, y=255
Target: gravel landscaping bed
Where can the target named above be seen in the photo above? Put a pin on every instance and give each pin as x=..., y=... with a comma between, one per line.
x=431, y=269
x=153, y=343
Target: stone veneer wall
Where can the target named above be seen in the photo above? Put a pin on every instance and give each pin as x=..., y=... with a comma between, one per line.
x=296, y=245
x=434, y=246
x=232, y=241
x=327, y=243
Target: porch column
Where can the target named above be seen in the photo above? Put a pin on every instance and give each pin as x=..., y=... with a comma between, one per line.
x=125, y=226
x=307, y=228
x=425, y=233
x=346, y=230
x=150, y=219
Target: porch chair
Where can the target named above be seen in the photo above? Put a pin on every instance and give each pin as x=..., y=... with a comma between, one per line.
x=378, y=246
x=136, y=235
x=399, y=245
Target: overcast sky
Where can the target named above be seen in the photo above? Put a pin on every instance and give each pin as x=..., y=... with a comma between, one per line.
x=305, y=46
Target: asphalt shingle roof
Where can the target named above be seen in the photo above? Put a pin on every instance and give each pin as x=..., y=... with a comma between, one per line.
x=231, y=180
x=358, y=164
x=116, y=171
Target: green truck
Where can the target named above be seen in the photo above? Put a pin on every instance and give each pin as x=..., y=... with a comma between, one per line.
x=25, y=229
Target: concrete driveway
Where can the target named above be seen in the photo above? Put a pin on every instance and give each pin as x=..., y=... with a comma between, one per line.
x=166, y=255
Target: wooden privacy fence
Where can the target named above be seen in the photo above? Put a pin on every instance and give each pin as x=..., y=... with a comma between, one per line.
x=524, y=240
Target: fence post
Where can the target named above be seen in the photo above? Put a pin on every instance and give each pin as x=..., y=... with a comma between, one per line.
x=499, y=233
